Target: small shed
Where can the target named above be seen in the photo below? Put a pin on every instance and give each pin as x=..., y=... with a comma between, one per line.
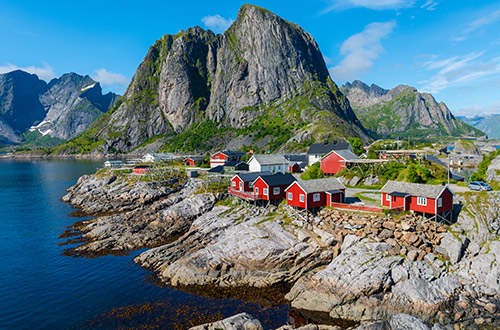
x=272, y=187
x=142, y=169
x=194, y=161
x=271, y=163
x=113, y=163
x=312, y=193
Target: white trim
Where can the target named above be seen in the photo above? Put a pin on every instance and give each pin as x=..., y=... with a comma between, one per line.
x=439, y=202
x=265, y=192
x=301, y=198
x=290, y=196
x=387, y=197
x=276, y=191
x=256, y=190
x=421, y=201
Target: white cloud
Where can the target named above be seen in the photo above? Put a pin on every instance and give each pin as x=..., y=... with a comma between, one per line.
x=458, y=70
x=217, y=23
x=107, y=78
x=45, y=72
x=360, y=50
x=370, y=4
x=430, y=5
x=477, y=111
x=483, y=21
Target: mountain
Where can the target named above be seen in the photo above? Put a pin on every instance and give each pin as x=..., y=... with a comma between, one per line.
x=490, y=124
x=262, y=83
x=403, y=112
x=31, y=109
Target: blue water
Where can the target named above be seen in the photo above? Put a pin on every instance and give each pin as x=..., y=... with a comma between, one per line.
x=41, y=289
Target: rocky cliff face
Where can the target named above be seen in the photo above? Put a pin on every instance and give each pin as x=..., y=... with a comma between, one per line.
x=61, y=109
x=403, y=111
x=261, y=69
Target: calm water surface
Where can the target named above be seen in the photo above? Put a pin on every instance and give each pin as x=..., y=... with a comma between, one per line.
x=41, y=289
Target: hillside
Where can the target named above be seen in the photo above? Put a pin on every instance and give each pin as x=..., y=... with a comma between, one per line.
x=263, y=82
x=489, y=124
x=403, y=112
x=34, y=112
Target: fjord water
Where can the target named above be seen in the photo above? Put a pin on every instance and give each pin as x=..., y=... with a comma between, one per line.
x=41, y=289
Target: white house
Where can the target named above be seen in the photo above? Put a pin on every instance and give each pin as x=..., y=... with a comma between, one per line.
x=113, y=163
x=157, y=157
x=271, y=163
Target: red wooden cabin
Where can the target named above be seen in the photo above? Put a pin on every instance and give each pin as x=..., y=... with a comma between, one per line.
x=312, y=193
x=272, y=187
x=194, y=161
x=242, y=184
x=142, y=169
x=335, y=160
x=294, y=168
x=225, y=156
x=424, y=198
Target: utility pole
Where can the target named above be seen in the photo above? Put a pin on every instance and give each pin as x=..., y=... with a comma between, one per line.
x=449, y=169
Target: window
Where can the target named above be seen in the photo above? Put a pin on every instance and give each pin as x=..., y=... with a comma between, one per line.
x=256, y=190
x=290, y=196
x=217, y=157
x=316, y=197
x=440, y=202
x=276, y=191
x=422, y=201
x=387, y=197
x=234, y=183
x=301, y=198
x=241, y=185
x=265, y=191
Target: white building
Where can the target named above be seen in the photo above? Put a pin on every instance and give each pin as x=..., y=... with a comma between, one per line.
x=113, y=163
x=157, y=157
x=271, y=163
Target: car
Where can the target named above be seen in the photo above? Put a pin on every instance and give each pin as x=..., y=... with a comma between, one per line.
x=479, y=185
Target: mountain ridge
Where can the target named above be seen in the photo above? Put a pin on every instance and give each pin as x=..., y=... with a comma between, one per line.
x=263, y=72
x=403, y=112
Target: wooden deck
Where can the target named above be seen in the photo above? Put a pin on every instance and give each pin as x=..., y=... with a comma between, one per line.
x=247, y=195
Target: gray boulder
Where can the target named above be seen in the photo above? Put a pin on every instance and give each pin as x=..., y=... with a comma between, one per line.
x=241, y=321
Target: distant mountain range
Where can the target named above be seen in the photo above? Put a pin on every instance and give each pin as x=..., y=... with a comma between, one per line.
x=403, y=112
x=262, y=83
x=32, y=111
x=490, y=124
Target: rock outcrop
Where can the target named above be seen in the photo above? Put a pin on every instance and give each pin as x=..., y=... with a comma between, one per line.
x=403, y=111
x=241, y=321
x=262, y=67
x=61, y=109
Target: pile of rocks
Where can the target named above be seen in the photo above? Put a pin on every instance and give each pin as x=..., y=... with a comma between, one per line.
x=409, y=235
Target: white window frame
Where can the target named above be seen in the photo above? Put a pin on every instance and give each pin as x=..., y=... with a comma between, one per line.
x=234, y=183
x=290, y=196
x=422, y=201
x=256, y=190
x=301, y=198
x=276, y=191
x=266, y=192
x=440, y=202
x=316, y=197
x=241, y=185
x=388, y=197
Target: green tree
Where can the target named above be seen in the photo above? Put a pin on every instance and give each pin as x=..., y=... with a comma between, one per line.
x=357, y=145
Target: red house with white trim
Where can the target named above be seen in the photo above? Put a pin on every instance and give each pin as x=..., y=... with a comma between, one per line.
x=314, y=193
x=417, y=197
x=142, y=169
x=225, y=156
x=335, y=161
x=242, y=184
x=272, y=187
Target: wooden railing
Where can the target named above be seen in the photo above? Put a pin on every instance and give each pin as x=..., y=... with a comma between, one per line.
x=249, y=195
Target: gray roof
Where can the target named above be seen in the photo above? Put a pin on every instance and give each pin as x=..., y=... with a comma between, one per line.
x=318, y=185
x=346, y=154
x=195, y=158
x=296, y=157
x=324, y=148
x=270, y=159
x=252, y=176
x=414, y=189
x=278, y=179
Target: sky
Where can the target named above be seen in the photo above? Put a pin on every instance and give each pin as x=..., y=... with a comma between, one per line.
x=450, y=48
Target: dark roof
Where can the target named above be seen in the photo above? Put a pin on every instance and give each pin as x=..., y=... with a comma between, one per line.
x=399, y=194
x=333, y=192
x=230, y=153
x=322, y=148
x=196, y=159
x=277, y=179
x=142, y=166
x=414, y=189
x=318, y=185
x=216, y=169
x=232, y=163
x=296, y=158
x=251, y=177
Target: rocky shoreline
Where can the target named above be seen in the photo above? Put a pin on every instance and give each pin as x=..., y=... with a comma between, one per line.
x=353, y=266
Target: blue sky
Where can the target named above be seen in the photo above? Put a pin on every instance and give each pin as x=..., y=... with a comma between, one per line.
x=450, y=48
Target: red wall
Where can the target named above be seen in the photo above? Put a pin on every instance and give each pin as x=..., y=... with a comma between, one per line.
x=429, y=208
x=189, y=162
x=447, y=205
x=335, y=198
x=296, y=191
x=141, y=170
x=295, y=168
x=332, y=163
x=220, y=155
x=246, y=185
x=270, y=196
